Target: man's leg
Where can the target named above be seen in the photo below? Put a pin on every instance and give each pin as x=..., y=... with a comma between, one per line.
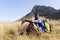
x=35, y=28
x=41, y=27
x=28, y=29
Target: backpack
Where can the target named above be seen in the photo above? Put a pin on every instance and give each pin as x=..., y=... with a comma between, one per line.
x=47, y=26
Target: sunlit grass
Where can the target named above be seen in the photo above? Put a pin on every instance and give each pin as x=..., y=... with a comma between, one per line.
x=11, y=31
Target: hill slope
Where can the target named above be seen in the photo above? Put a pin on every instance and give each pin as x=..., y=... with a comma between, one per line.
x=46, y=11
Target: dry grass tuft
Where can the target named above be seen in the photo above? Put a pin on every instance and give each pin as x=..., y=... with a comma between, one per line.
x=11, y=31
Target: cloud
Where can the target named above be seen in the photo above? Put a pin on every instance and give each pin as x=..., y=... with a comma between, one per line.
x=11, y=9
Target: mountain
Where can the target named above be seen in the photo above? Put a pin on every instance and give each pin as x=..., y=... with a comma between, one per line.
x=56, y=15
x=46, y=11
x=43, y=10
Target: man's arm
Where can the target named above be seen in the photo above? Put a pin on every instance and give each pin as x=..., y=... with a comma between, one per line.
x=30, y=21
x=26, y=21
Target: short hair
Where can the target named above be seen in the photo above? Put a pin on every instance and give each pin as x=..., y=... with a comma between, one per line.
x=36, y=14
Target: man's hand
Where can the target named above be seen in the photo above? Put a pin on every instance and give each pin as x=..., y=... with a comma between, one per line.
x=27, y=21
x=23, y=22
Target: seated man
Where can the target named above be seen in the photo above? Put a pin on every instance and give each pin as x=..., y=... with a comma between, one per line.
x=37, y=23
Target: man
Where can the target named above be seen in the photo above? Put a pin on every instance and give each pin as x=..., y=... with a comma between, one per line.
x=37, y=24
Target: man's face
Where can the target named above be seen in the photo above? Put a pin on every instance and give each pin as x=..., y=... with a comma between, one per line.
x=37, y=15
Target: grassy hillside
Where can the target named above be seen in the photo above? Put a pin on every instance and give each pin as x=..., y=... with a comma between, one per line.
x=12, y=30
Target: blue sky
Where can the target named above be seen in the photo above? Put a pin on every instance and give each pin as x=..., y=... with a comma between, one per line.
x=11, y=10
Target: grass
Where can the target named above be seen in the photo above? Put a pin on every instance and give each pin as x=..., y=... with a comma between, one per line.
x=11, y=31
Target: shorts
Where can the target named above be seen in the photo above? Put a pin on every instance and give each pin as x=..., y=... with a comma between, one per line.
x=41, y=26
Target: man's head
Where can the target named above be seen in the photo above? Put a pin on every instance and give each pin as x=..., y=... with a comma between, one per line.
x=36, y=16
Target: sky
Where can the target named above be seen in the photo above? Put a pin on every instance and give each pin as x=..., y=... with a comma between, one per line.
x=12, y=10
